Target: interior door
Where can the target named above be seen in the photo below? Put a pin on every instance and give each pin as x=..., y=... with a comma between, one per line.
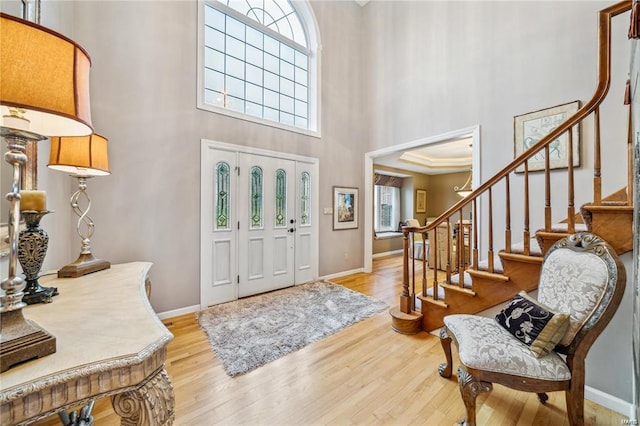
x=266, y=223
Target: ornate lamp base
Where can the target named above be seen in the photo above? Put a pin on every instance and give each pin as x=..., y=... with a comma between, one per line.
x=32, y=248
x=85, y=264
x=22, y=340
x=38, y=294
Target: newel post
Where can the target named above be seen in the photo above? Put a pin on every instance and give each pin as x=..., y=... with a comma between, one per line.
x=406, y=301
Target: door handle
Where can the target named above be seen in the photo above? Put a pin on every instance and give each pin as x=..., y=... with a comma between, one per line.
x=292, y=230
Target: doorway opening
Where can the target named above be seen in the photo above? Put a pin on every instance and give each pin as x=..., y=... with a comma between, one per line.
x=409, y=162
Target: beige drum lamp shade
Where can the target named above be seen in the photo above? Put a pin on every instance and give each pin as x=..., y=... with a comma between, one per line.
x=45, y=76
x=80, y=155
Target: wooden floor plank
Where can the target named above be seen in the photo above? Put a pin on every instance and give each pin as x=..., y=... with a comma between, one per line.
x=363, y=375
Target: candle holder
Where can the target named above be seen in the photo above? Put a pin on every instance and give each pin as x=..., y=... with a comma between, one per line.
x=33, y=242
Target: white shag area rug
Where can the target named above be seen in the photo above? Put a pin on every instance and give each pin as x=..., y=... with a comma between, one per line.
x=251, y=332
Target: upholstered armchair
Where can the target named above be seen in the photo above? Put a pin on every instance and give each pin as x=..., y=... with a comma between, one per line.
x=580, y=286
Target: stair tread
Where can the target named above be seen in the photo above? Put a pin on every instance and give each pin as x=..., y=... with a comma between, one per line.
x=534, y=248
x=607, y=207
x=494, y=276
x=483, y=265
x=614, y=203
x=455, y=280
x=564, y=228
x=440, y=292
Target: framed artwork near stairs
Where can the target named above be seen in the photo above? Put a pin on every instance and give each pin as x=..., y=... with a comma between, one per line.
x=529, y=128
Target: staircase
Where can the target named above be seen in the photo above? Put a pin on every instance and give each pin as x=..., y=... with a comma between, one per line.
x=491, y=276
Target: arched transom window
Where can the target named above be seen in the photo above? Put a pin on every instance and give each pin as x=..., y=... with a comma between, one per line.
x=258, y=62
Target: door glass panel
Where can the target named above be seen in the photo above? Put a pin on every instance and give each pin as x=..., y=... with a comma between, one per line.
x=222, y=196
x=281, y=198
x=305, y=199
x=255, y=201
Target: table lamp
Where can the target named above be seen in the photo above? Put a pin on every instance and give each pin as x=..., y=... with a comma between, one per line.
x=44, y=78
x=83, y=157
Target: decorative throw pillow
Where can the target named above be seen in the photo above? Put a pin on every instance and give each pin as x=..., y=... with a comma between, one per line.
x=533, y=324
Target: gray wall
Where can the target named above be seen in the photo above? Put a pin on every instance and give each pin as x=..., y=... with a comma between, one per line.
x=442, y=196
x=143, y=97
x=435, y=67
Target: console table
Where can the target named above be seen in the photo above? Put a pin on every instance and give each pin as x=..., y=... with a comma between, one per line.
x=109, y=343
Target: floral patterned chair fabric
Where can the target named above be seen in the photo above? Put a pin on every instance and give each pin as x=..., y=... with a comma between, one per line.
x=581, y=276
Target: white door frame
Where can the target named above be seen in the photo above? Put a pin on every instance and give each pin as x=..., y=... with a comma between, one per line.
x=474, y=131
x=311, y=270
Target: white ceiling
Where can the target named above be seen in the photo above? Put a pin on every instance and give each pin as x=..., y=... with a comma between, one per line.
x=444, y=157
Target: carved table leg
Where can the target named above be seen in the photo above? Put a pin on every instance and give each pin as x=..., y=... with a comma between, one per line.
x=445, y=340
x=84, y=418
x=470, y=388
x=152, y=404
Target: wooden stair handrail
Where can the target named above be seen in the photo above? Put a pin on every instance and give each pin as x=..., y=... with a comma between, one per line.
x=602, y=88
x=407, y=299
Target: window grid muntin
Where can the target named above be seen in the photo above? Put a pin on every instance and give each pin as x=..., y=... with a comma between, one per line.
x=256, y=198
x=222, y=199
x=258, y=14
x=236, y=101
x=281, y=199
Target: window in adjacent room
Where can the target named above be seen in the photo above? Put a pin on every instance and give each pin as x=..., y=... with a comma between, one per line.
x=386, y=208
x=258, y=60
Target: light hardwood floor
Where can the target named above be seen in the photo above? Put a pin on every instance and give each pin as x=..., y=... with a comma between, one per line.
x=366, y=374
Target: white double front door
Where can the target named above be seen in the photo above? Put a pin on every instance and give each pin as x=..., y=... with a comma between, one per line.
x=258, y=231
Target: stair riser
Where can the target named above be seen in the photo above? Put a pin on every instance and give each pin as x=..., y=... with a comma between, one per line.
x=488, y=293
x=522, y=275
x=546, y=240
x=609, y=226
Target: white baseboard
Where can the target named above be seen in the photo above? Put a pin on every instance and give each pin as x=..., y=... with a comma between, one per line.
x=609, y=401
x=386, y=253
x=178, y=312
x=342, y=274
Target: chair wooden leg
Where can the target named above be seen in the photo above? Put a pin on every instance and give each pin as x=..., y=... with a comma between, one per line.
x=445, y=369
x=470, y=388
x=575, y=397
x=543, y=397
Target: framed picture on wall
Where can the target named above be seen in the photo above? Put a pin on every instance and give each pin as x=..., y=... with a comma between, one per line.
x=531, y=127
x=421, y=201
x=345, y=208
